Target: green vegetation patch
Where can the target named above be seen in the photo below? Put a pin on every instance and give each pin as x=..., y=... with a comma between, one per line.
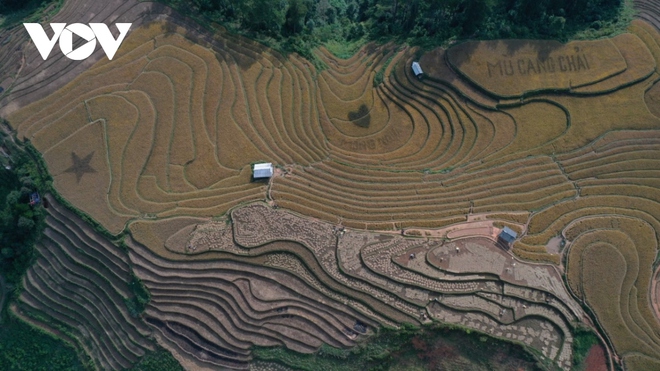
x=342, y=25
x=158, y=360
x=584, y=340
x=20, y=223
x=380, y=75
x=13, y=12
x=344, y=49
x=8, y=183
x=410, y=348
x=23, y=347
x=138, y=302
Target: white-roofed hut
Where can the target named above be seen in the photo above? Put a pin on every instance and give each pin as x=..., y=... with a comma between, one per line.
x=417, y=70
x=263, y=171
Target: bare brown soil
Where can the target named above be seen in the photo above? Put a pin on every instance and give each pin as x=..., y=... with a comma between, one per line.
x=596, y=360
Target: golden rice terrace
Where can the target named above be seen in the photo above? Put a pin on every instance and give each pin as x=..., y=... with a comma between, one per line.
x=386, y=205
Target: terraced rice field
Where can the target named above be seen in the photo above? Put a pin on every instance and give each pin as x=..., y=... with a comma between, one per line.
x=373, y=158
x=559, y=142
x=77, y=289
x=208, y=313
x=367, y=279
x=271, y=279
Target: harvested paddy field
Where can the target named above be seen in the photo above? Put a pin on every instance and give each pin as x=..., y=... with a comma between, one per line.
x=387, y=200
x=78, y=289
x=368, y=279
x=217, y=290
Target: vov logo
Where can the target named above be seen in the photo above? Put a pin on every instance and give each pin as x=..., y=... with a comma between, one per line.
x=91, y=33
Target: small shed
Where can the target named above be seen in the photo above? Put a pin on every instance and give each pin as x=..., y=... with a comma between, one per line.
x=262, y=171
x=417, y=70
x=507, y=236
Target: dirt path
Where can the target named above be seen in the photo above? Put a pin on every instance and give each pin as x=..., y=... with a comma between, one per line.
x=477, y=225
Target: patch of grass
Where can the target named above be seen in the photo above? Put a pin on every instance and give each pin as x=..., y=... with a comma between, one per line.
x=344, y=49
x=380, y=75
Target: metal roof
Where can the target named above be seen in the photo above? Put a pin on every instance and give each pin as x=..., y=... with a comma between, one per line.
x=264, y=170
x=417, y=69
x=508, y=234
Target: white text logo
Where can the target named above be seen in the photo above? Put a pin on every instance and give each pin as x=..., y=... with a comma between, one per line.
x=91, y=33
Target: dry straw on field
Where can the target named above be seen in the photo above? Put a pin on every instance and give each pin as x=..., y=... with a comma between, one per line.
x=224, y=108
x=639, y=61
x=611, y=258
x=563, y=136
x=510, y=68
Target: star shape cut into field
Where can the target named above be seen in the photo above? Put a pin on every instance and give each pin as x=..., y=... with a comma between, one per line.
x=80, y=166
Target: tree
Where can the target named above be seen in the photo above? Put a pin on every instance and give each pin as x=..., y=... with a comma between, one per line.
x=294, y=18
x=473, y=14
x=25, y=223
x=20, y=224
x=12, y=198
x=7, y=253
x=264, y=16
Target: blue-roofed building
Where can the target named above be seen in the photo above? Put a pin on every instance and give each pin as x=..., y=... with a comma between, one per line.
x=507, y=236
x=35, y=199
